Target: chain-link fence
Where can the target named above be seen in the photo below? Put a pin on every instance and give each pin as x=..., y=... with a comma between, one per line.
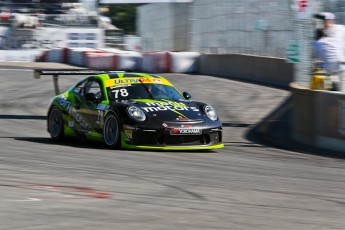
x=251, y=27
x=243, y=27
x=223, y=26
x=337, y=7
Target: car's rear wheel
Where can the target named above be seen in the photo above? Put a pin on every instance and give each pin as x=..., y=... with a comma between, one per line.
x=55, y=124
x=111, y=131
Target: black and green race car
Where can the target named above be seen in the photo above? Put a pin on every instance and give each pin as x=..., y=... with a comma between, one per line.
x=136, y=111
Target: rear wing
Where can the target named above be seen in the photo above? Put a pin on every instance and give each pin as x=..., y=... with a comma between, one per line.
x=39, y=72
x=56, y=72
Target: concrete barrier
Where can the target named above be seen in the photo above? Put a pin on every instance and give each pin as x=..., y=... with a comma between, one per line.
x=77, y=56
x=57, y=55
x=128, y=61
x=155, y=62
x=125, y=60
x=318, y=118
x=268, y=70
x=183, y=62
x=41, y=56
x=100, y=61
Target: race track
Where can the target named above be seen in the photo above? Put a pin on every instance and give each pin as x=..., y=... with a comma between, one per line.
x=77, y=185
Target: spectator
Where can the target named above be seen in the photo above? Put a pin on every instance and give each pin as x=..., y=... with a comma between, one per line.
x=333, y=30
x=328, y=51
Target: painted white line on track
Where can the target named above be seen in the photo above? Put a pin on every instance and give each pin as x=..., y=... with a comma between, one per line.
x=23, y=200
x=19, y=70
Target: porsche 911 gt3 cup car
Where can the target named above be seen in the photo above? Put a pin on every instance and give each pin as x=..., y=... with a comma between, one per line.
x=134, y=110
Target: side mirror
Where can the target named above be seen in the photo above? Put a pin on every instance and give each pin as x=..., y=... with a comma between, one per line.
x=187, y=95
x=91, y=97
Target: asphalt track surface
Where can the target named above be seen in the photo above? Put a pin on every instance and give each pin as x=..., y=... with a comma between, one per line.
x=78, y=185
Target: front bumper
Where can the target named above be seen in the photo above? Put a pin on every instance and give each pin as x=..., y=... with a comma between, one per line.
x=173, y=148
x=165, y=139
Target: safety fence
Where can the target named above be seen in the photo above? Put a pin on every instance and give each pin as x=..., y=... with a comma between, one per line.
x=218, y=27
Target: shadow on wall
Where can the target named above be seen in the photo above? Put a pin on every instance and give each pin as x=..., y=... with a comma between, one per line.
x=278, y=130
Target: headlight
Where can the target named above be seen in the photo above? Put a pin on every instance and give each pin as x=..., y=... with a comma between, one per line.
x=136, y=113
x=210, y=112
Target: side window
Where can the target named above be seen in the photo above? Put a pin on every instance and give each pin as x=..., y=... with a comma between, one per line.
x=79, y=88
x=93, y=87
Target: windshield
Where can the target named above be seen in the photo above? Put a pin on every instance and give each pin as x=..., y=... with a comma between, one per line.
x=139, y=91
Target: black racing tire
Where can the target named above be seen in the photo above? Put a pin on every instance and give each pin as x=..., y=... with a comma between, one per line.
x=55, y=124
x=112, y=131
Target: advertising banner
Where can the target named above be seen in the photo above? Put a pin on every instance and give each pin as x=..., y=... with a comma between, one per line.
x=142, y=1
x=48, y=38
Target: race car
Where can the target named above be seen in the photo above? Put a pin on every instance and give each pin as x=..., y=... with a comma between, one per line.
x=134, y=111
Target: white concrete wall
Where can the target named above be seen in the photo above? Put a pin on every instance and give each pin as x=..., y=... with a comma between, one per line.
x=181, y=27
x=155, y=25
x=217, y=26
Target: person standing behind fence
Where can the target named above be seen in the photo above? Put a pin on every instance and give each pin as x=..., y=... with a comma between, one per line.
x=331, y=29
x=328, y=51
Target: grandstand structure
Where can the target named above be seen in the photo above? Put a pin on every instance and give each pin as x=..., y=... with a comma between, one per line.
x=46, y=24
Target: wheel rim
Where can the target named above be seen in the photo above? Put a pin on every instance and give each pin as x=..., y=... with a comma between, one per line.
x=111, y=131
x=55, y=123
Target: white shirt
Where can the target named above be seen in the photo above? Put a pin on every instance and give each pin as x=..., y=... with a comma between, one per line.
x=338, y=32
x=329, y=51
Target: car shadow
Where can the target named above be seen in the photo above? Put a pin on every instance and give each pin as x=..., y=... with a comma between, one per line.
x=80, y=143
x=73, y=142
x=22, y=117
x=235, y=124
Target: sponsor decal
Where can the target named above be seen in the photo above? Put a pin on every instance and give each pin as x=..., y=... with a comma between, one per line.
x=83, y=124
x=119, y=86
x=128, y=81
x=100, y=116
x=64, y=103
x=128, y=134
x=30, y=42
x=164, y=106
x=131, y=80
x=82, y=36
x=163, y=103
x=165, y=125
x=66, y=106
x=71, y=124
x=102, y=107
x=128, y=127
x=180, y=118
x=177, y=131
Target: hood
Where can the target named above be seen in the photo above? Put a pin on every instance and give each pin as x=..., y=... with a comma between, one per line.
x=174, y=111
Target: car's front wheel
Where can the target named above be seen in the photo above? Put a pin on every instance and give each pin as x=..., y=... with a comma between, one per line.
x=111, y=131
x=55, y=124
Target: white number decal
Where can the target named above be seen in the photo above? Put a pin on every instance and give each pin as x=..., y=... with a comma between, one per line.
x=123, y=93
x=100, y=115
